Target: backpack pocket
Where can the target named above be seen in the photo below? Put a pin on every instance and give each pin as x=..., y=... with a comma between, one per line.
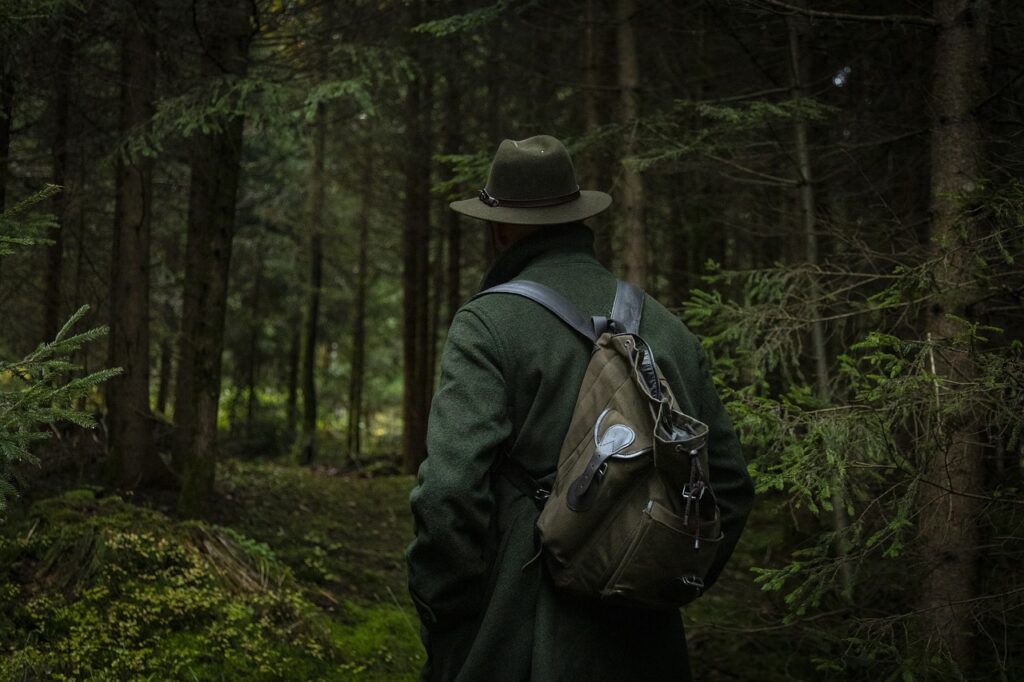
x=666, y=561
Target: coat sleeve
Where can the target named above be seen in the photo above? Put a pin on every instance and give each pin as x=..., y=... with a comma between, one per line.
x=733, y=487
x=452, y=502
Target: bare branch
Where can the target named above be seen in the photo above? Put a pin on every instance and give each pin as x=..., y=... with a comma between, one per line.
x=864, y=18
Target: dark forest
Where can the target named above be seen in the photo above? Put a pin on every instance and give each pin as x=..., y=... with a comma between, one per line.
x=228, y=265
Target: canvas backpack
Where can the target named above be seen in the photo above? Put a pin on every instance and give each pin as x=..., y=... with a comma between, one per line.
x=631, y=517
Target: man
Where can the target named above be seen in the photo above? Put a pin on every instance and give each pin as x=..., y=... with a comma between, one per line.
x=510, y=375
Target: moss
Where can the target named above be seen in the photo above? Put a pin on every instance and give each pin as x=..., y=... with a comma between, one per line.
x=97, y=588
x=382, y=644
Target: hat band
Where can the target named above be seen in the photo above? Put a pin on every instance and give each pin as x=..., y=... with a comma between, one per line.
x=494, y=202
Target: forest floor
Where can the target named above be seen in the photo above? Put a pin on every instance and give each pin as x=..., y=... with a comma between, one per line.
x=298, y=574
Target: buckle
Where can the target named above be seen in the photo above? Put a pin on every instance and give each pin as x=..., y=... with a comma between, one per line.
x=694, y=492
x=692, y=581
x=541, y=494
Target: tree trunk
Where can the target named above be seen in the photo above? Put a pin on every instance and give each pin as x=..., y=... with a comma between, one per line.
x=55, y=250
x=252, y=365
x=172, y=261
x=292, y=405
x=594, y=171
x=954, y=470
x=77, y=294
x=311, y=319
x=424, y=328
x=680, y=246
x=6, y=120
x=166, y=367
x=799, y=29
x=495, y=124
x=132, y=460
x=689, y=207
x=415, y=245
x=632, y=193
x=434, y=313
x=215, y=159
x=357, y=376
x=453, y=226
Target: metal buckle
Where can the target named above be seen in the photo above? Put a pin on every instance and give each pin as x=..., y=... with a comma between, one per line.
x=692, y=581
x=688, y=491
x=541, y=495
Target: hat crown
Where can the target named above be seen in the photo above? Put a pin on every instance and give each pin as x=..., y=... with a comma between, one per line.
x=533, y=169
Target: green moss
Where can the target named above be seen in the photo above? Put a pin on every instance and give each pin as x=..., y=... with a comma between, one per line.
x=381, y=644
x=97, y=588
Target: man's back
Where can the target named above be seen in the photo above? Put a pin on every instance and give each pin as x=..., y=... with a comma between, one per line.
x=510, y=376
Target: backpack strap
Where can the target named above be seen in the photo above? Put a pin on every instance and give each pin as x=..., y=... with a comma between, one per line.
x=626, y=311
x=628, y=307
x=521, y=479
x=550, y=299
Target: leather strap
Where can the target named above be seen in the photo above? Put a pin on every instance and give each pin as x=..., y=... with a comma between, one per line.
x=550, y=299
x=628, y=307
x=495, y=202
x=521, y=480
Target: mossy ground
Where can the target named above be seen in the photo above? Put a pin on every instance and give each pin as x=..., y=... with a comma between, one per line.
x=297, y=576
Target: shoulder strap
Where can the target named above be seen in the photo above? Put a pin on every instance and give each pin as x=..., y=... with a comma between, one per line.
x=550, y=299
x=628, y=307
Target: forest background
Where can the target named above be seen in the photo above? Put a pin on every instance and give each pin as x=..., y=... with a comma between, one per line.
x=227, y=267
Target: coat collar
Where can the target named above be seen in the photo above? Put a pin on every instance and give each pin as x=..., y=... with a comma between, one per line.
x=554, y=243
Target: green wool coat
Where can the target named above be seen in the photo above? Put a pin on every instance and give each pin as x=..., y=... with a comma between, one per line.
x=510, y=374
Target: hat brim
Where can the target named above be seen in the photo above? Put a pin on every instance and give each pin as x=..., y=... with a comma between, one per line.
x=589, y=203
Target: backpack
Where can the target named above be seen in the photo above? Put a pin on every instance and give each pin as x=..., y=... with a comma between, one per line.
x=631, y=517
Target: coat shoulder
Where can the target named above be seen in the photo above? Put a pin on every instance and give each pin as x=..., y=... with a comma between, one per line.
x=662, y=324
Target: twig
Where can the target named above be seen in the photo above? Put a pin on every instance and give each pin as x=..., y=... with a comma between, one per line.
x=755, y=173
x=866, y=18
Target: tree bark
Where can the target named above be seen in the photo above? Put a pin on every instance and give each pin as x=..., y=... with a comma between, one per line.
x=215, y=159
x=632, y=192
x=311, y=319
x=438, y=291
x=166, y=368
x=680, y=246
x=424, y=328
x=172, y=261
x=687, y=238
x=453, y=226
x=132, y=458
x=415, y=245
x=6, y=120
x=357, y=374
x=594, y=171
x=954, y=471
x=55, y=250
x=252, y=365
x=292, y=405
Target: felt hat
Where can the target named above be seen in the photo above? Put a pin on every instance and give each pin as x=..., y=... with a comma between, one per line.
x=533, y=182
